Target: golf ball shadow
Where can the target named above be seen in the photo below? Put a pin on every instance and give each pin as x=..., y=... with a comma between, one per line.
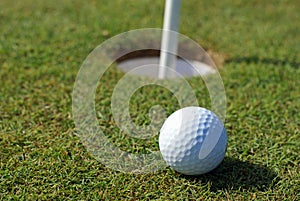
x=234, y=174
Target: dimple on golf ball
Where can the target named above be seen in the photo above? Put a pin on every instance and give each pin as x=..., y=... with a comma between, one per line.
x=193, y=141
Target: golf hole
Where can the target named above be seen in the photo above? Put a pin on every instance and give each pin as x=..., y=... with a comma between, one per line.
x=191, y=66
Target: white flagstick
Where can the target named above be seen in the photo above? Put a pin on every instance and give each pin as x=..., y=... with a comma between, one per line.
x=169, y=37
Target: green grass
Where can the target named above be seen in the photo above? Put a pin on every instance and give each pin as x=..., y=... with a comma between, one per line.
x=42, y=46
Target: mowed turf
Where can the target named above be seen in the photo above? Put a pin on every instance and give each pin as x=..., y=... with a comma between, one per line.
x=42, y=46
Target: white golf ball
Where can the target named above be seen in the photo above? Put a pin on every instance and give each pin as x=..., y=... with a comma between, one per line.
x=193, y=141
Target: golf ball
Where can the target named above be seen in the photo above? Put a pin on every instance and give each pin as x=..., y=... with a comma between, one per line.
x=193, y=141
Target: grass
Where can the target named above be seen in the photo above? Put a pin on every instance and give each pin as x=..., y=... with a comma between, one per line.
x=42, y=45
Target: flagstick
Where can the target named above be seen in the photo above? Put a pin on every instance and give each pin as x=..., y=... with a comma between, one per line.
x=169, y=41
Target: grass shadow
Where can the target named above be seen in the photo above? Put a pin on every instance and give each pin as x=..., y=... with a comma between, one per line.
x=256, y=59
x=233, y=174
